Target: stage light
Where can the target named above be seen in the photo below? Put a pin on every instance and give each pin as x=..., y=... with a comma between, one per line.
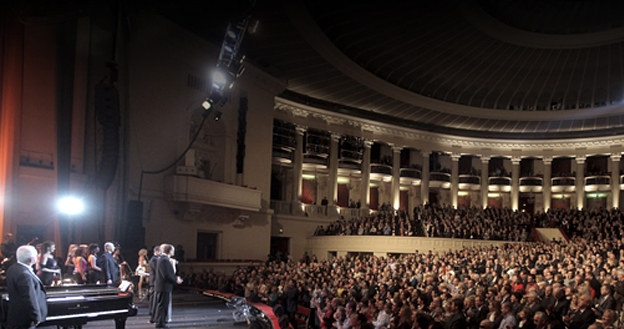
x=70, y=205
x=206, y=105
x=219, y=79
x=217, y=116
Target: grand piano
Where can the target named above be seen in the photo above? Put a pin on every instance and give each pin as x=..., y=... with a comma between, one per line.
x=74, y=306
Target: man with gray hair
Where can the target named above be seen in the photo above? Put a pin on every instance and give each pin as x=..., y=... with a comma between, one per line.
x=27, y=297
x=163, y=285
x=110, y=268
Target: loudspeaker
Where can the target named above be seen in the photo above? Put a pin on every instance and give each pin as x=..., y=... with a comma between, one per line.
x=134, y=232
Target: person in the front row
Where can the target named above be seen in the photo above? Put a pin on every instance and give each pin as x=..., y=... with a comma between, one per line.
x=163, y=286
x=27, y=296
x=111, y=267
x=153, y=263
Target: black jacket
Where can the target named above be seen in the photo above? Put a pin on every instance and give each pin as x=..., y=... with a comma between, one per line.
x=27, y=297
x=165, y=277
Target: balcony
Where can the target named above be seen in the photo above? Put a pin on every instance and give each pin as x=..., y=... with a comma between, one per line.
x=347, y=168
x=281, y=207
x=531, y=184
x=380, y=172
x=499, y=184
x=410, y=176
x=203, y=191
x=281, y=155
x=563, y=184
x=597, y=183
x=349, y=213
x=469, y=182
x=440, y=179
x=314, y=162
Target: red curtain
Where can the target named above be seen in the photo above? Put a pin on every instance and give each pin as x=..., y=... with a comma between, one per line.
x=11, y=62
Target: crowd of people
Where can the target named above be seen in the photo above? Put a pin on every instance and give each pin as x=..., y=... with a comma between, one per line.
x=525, y=285
x=477, y=223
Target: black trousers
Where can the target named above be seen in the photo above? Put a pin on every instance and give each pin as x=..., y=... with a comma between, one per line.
x=162, y=308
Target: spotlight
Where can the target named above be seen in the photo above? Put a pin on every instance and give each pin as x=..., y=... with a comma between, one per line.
x=219, y=80
x=70, y=205
x=206, y=105
x=217, y=116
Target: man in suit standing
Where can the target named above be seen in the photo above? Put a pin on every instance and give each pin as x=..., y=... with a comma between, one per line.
x=27, y=296
x=110, y=267
x=163, y=286
x=153, y=263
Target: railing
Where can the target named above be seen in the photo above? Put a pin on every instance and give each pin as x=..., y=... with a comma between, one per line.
x=469, y=179
x=440, y=177
x=350, y=155
x=315, y=160
x=563, y=181
x=284, y=141
x=314, y=210
x=598, y=180
x=349, y=213
x=377, y=168
x=349, y=164
x=530, y=181
x=281, y=207
x=282, y=154
x=505, y=181
x=410, y=173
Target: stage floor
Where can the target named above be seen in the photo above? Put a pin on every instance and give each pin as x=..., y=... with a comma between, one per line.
x=190, y=310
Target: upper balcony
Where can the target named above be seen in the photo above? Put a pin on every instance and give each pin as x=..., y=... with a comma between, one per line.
x=563, y=184
x=380, y=172
x=499, y=184
x=410, y=176
x=597, y=183
x=469, y=182
x=531, y=184
x=203, y=191
x=440, y=179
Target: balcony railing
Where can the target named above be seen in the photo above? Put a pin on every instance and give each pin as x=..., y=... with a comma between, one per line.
x=440, y=179
x=597, y=183
x=531, y=184
x=563, y=184
x=410, y=173
x=281, y=207
x=469, y=182
x=499, y=184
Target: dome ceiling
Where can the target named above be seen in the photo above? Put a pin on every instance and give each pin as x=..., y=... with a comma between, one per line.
x=508, y=69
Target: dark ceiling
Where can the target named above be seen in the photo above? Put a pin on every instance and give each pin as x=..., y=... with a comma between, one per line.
x=488, y=68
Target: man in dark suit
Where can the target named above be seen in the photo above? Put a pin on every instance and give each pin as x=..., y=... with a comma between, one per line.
x=110, y=269
x=584, y=315
x=153, y=263
x=165, y=279
x=27, y=297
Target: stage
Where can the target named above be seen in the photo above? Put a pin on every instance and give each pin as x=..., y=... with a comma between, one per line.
x=190, y=310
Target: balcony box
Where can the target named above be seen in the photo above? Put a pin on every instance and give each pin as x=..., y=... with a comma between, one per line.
x=469, y=182
x=563, y=184
x=410, y=176
x=597, y=183
x=380, y=172
x=440, y=179
x=203, y=191
x=531, y=184
x=499, y=184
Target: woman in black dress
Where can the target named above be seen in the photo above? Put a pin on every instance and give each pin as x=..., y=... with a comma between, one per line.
x=48, y=268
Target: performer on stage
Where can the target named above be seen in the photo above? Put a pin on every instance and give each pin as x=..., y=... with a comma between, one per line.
x=48, y=267
x=27, y=297
x=165, y=279
x=153, y=263
x=111, y=267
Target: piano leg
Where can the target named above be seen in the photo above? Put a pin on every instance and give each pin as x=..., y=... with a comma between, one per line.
x=120, y=323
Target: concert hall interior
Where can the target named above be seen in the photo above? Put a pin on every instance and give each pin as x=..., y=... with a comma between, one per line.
x=241, y=130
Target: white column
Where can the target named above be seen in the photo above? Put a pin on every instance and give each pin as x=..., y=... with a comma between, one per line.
x=454, y=178
x=580, y=182
x=365, y=188
x=515, y=182
x=424, y=181
x=396, y=176
x=332, y=185
x=615, y=179
x=485, y=161
x=547, y=184
x=298, y=171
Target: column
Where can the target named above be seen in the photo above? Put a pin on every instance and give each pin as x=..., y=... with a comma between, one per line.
x=515, y=182
x=485, y=161
x=298, y=171
x=615, y=179
x=396, y=176
x=580, y=181
x=424, y=181
x=365, y=188
x=332, y=181
x=454, y=178
x=547, y=184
